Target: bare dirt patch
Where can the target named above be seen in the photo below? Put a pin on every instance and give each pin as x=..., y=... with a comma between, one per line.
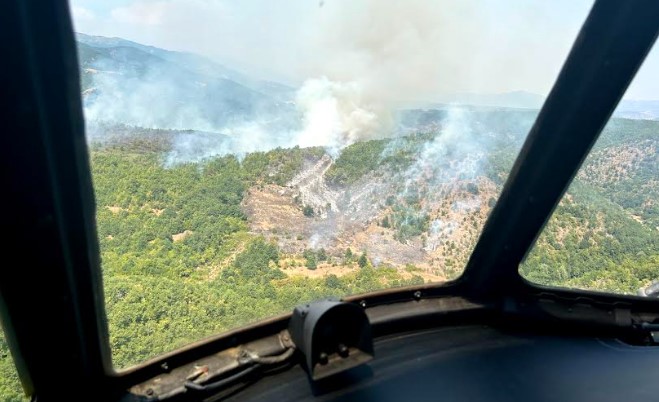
x=351, y=217
x=115, y=209
x=295, y=267
x=181, y=236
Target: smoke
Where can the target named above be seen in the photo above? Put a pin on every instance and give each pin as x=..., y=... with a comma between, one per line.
x=377, y=57
x=337, y=114
x=374, y=57
x=238, y=140
x=466, y=205
x=327, y=114
x=361, y=62
x=152, y=98
x=438, y=231
x=324, y=113
x=456, y=153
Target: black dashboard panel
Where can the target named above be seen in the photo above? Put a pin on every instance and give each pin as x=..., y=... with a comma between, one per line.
x=480, y=363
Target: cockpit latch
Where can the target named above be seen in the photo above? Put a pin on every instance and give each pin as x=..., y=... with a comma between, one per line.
x=334, y=336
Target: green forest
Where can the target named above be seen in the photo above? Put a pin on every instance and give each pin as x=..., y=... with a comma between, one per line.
x=180, y=263
x=180, y=298
x=604, y=235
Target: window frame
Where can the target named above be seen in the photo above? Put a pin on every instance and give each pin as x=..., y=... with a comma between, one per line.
x=53, y=312
x=599, y=68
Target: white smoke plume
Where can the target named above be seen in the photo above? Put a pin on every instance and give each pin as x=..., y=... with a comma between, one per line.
x=336, y=114
x=456, y=153
x=358, y=63
x=375, y=56
x=151, y=99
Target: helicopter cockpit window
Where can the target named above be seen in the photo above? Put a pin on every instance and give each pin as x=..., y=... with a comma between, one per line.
x=250, y=156
x=604, y=235
x=10, y=385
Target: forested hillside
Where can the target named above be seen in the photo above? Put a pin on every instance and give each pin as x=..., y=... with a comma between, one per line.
x=199, y=247
x=178, y=258
x=605, y=233
x=192, y=249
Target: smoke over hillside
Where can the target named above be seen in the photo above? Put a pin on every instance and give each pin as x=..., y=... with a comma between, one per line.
x=355, y=66
x=370, y=58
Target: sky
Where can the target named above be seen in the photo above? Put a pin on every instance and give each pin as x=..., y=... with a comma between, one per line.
x=418, y=49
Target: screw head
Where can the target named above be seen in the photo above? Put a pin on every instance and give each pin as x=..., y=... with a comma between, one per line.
x=343, y=350
x=417, y=295
x=323, y=358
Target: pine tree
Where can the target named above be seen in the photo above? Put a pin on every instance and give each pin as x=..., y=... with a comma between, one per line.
x=363, y=261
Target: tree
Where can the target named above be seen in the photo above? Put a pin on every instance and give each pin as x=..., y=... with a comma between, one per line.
x=472, y=188
x=363, y=261
x=308, y=211
x=311, y=263
x=311, y=259
x=349, y=255
x=333, y=282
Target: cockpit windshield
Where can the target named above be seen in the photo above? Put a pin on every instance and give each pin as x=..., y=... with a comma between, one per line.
x=251, y=156
x=248, y=157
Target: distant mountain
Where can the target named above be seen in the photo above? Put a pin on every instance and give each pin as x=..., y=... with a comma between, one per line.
x=514, y=99
x=130, y=83
x=638, y=109
x=192, y=62
x=134, y=84
x=630, y=109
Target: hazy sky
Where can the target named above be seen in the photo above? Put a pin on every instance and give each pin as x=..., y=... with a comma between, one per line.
x=419, y=49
